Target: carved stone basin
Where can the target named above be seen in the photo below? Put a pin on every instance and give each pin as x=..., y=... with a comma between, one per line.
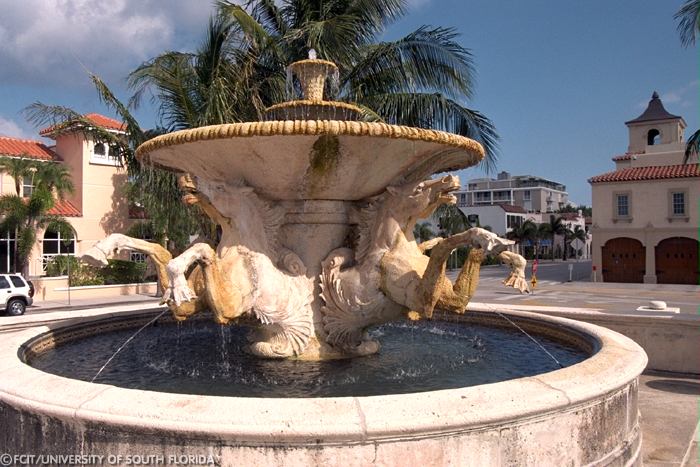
x=312, y=159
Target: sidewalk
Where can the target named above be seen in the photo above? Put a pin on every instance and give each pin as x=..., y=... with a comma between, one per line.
x=81, y=304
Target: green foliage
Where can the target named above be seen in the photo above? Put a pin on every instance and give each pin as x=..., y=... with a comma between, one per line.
x=123, y=272
x=59, y=264
x=84, y=275
x=587, y=211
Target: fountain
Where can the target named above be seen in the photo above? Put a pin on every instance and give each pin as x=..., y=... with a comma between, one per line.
x=317, y=260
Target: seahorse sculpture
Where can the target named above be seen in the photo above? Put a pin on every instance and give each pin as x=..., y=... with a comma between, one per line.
x=248, y=274
x=388, y=275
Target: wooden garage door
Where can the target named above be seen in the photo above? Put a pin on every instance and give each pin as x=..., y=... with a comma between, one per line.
x=623, y=260
x=677, y=261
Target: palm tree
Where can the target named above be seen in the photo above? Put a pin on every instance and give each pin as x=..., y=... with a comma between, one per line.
x=156, y=190
x=25, y=216
x=450, y=220
x=423, y=231
x=54, y=177
x=578, y=233
x=554, y=227
x=688, y=18
x=523, y=232
x=19, y=168
x=423, y=79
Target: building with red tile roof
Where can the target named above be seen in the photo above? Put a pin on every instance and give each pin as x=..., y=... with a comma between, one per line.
x=645, y=212
x=74, y=125
x=95, y=209
x=30, y=149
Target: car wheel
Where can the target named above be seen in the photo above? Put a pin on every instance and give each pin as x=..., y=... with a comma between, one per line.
x=16, y=307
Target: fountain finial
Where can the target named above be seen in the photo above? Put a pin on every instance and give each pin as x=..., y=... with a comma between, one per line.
x=312, y=74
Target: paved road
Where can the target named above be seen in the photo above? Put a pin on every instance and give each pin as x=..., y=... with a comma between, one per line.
x=553, y=289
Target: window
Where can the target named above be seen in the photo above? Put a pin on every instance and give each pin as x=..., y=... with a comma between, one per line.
x=55, y=244
x=3, y=283
x=7, y=249
x=653, y=137
x=622, y=208
x=17, y=281
x=101, y=155
x=677, y=204
x=513, y=221
x=526, y=195
x=27, y=187
x=137, y=257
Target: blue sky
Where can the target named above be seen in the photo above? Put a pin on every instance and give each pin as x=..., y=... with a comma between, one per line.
x=559, y=79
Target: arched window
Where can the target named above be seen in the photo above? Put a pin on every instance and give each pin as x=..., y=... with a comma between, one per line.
x=653, y=137
x=56, y=244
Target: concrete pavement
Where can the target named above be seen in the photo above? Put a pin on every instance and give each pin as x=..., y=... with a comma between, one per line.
x=553, y=289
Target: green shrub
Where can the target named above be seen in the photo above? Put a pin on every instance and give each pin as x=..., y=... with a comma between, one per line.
x=124, y=272
x=84, y=274
x=58, y=265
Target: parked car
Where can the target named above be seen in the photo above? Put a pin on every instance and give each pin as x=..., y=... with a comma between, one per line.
x=16, y=294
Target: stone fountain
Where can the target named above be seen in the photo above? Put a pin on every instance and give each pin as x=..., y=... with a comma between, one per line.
x=316, y=209
x=317, y=218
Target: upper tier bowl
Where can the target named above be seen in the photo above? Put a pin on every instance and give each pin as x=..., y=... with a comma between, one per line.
x=312, y=159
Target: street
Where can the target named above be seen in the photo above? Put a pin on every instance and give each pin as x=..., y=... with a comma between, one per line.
x=553, y=289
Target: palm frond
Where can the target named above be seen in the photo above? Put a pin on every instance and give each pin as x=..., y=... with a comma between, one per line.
x=427, y=60
x=688, y=18
x=434, y=111
x=692, y=147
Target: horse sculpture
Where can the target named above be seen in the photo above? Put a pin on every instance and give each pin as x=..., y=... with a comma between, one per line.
x=388, y=274
x=248, y=274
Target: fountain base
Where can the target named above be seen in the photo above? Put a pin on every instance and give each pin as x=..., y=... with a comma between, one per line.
x=583, y=414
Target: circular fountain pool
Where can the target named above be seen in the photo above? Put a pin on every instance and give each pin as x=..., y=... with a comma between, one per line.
x=201, y=357
x=583, y=414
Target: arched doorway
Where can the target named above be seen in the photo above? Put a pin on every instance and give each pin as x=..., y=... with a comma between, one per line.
x=623, y=260
x=677, y=261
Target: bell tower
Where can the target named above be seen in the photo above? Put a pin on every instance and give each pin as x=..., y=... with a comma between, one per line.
x=655, y=126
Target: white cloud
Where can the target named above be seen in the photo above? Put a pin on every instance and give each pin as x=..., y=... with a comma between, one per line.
x=10, y=128
x=46, y=41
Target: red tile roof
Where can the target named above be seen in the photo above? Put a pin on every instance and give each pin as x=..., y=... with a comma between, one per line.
x=634, y=174
x=64, y=208
x=626, y=156
x=97, y=119
x=513, y=208
x=26, y=148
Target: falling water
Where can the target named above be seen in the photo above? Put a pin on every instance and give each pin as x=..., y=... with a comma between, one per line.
x=223, y=350
x=528, y=335
x=126, y=343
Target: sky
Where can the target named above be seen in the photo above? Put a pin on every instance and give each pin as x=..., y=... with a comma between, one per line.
x=558, y=78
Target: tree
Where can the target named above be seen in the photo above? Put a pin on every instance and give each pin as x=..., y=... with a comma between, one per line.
x=450, y=220
x=578, y=233
x=586, y=211
x=688, y=18
x=26, y=216
x=18, y=168
x=154, y=189
x=555, y=227
x=423, y=79
x=423, y=231
x=522, y=233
